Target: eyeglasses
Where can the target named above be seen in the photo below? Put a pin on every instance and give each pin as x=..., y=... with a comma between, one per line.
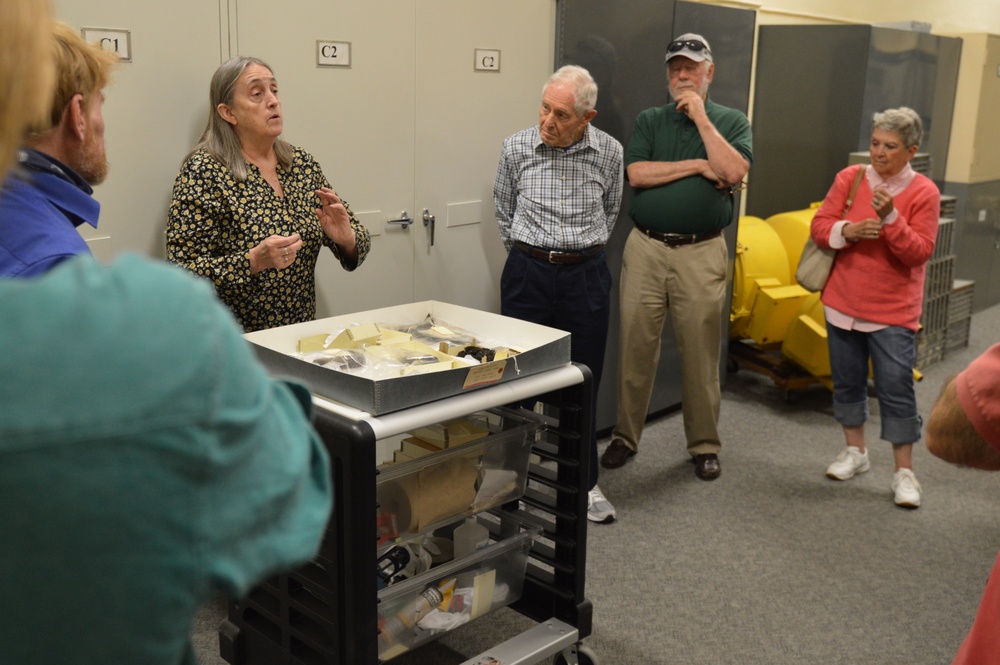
x=690, y=44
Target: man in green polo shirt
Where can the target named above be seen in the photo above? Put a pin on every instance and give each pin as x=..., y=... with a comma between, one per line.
x=683, y=162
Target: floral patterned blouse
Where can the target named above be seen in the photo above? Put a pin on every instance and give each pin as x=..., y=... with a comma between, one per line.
x=214, y=221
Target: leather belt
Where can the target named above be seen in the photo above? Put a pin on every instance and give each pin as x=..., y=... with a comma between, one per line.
x=678, y=239
x=558, y=256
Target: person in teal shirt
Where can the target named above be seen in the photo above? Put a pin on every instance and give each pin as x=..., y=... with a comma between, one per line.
x=146, y=459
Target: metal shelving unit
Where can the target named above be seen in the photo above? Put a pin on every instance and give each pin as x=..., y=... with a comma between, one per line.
x=325, y=612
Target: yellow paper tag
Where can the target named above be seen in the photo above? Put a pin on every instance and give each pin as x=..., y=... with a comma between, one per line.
x=482, y=375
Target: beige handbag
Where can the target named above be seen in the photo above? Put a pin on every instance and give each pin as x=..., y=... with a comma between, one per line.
x=815, y=264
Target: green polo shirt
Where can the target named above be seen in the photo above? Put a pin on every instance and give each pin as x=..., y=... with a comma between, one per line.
x=692, y=204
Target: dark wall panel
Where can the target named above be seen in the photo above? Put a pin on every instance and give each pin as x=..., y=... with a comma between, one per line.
x=807, y=109
x=816, y=90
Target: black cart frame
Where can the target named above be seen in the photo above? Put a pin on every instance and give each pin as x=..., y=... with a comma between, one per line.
x=325, y=612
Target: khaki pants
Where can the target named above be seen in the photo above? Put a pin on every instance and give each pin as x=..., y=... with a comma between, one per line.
x=690, y=280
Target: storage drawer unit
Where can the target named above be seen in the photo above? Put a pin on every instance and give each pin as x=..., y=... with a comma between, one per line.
x=477, y=584
x=327, y=612
x=418, y=495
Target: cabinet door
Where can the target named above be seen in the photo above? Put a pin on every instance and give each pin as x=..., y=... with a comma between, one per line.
x=151, y=113
x=462, y=117
x=357, y=121
x=409, y=126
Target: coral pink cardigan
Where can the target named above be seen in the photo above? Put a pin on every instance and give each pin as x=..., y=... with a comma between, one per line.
x=880, y=280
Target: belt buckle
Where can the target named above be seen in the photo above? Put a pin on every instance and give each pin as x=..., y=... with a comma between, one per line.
x=551, y=258
x=661, y=237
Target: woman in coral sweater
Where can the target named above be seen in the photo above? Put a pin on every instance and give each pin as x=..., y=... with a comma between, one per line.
x=873, y=298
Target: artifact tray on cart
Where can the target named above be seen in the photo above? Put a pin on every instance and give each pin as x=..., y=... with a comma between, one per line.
x=539, y=348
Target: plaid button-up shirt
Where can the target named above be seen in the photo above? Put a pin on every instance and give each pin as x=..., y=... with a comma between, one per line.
x=558, y=198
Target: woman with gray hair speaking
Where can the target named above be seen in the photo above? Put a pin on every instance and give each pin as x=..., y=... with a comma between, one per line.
x=882, y=221
x=251, y=212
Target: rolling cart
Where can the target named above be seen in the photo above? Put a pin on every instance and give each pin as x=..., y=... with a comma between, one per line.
x=327, y=611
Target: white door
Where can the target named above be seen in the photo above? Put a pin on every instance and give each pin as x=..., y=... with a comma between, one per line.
x=409, y=126
x=151, y=115
x=462, y=117
x=356, y=121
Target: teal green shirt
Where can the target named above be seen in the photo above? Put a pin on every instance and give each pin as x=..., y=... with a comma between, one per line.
x=692, y=204
x=146, y=459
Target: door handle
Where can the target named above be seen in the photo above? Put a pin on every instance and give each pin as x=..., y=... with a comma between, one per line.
x=429, y=221
x=404, y=220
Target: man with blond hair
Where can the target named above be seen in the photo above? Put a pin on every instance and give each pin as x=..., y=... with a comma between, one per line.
x=51, y=192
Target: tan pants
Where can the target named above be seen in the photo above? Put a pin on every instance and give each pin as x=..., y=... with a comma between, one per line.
x=691, y=281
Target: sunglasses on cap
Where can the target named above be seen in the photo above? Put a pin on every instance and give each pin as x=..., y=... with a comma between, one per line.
x=690, y=44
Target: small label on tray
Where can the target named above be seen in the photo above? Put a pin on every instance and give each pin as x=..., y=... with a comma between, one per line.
x=488, y=660
x=482, y=375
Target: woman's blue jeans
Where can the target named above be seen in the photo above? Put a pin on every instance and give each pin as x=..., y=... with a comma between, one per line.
x=892, y=352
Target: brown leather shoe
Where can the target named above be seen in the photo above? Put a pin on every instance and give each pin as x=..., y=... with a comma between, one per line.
x=616, y=454
x=707, y=466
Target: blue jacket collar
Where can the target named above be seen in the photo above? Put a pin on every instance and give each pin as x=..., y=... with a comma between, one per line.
x=32, y=160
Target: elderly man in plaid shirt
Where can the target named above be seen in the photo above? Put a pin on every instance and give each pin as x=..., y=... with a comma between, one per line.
x=557, y=194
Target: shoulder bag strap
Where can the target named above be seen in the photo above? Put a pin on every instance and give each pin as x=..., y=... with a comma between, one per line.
x=854, y=189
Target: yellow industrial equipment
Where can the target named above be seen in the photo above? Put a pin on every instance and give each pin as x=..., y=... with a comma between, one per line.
x=805, y=339
x=776, y=326
x=760, y=270
x=793, y=230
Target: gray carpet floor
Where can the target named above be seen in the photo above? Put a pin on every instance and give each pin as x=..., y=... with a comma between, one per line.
x=772, y=563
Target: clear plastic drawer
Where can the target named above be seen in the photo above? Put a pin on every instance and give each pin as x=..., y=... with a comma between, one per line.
x=419, y=494
x=447, y=596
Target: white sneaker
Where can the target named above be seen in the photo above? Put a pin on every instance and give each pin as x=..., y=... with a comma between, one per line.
x=599, y=509
x=907, y=489
x=849, y=462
